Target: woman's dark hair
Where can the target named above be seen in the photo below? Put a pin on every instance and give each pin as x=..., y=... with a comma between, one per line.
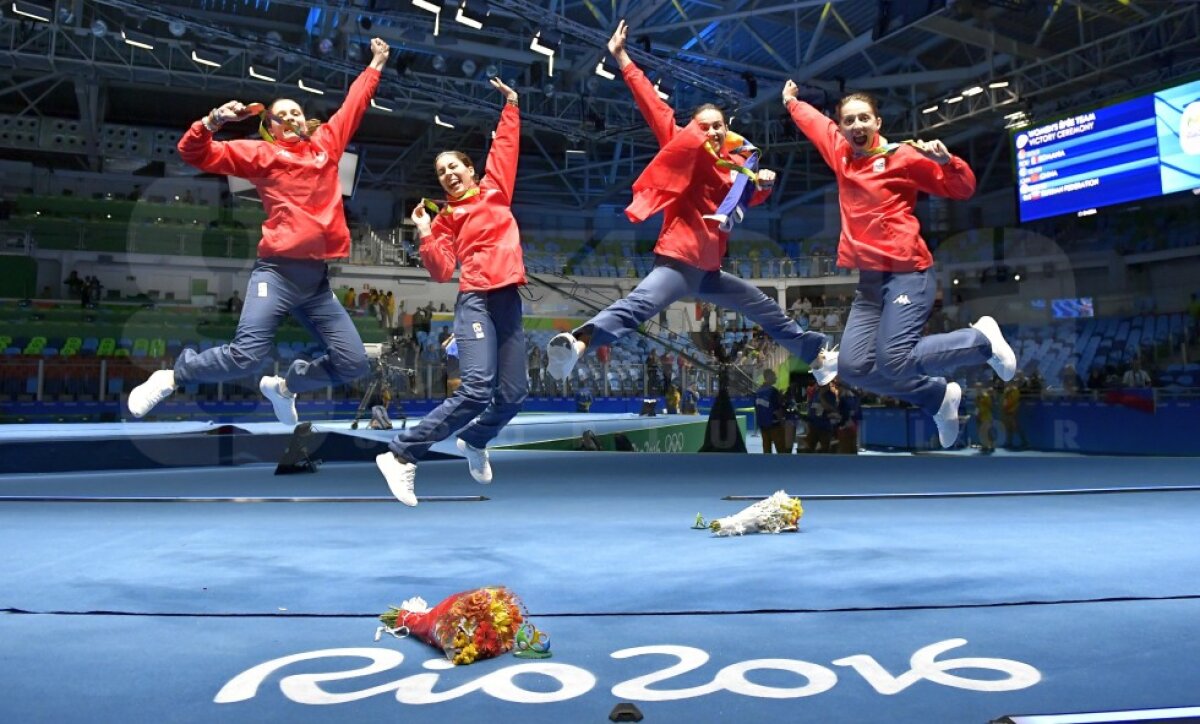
x=707, y=107
x=863, y=97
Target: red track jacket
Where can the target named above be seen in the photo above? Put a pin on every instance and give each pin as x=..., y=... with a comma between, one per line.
x=480, y=232
x=682, y=181
x=878, y=193
x=296, y=179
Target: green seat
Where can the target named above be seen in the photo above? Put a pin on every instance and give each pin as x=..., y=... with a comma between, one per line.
x=107, y=346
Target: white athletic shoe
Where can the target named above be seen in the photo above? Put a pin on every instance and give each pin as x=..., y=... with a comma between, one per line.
x=947, y=415
x=1003, y=359
x=824, y=367
x=283, y=402
x=401, y=477
x=477, y=461
x=562, y=353
x=154, y=390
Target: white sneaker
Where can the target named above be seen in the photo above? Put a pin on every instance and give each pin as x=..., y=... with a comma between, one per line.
x=562, y=353
x=283, y=402
x=401, y=477
x=824, y=367
x=947, y=415
x=1003, y=359
x=477, y=461
x=154, y=390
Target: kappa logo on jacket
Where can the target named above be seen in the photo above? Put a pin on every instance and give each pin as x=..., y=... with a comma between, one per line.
x=879, y=165
x=902, y=299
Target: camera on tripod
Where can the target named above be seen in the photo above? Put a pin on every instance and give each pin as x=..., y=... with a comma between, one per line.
x=387, y=362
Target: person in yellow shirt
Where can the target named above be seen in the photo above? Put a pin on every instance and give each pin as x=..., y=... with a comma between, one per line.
x=984, y=404
x=1010, y=414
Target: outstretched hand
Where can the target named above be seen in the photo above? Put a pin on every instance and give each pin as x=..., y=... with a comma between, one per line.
x=616, y=44
x=379, y=53
x=510, y=95
x=791, y=91
x=934, y=150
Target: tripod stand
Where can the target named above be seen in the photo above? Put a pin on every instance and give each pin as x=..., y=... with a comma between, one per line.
x=381, y=384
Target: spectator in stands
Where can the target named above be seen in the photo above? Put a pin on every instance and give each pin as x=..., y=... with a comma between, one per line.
x=822, y=407
x=847, y=419
x=1010, y=411
x=1072, y=383
x=584, y=399
x=882, y=346
x=769, y=414
x=688, y=180
x=453, y=368
x=833, y=321
x=1135, y=376
x=47, y=292
x=984, y=420
x=389, y=310
x=295, y=169
x=672, y=399
x=652, y=372
x=234, y=304
x=475, y=228
x=350, y=301
x=690, y=402
x=74, y=285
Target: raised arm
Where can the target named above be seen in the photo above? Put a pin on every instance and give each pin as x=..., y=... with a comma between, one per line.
x=940, y=172
x=437, y=246
x=819, y=129
x=198, y=148
x=344, y=122
x=502, y=157
x=658, y=114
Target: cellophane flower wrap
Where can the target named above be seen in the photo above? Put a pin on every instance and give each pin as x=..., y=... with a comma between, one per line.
x=468, y=626
x=775, y=514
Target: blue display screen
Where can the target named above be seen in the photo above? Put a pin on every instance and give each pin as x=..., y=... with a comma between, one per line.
x=1140, y=148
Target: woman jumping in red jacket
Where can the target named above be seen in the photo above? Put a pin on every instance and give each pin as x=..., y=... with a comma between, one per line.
x=688, y=180
x=882, y=349
x=296, y=175
x=475, y=229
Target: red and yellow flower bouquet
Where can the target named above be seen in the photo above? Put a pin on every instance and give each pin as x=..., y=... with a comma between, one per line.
x=476, y=624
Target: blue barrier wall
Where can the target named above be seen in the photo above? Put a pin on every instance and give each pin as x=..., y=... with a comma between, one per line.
x=1080, y=426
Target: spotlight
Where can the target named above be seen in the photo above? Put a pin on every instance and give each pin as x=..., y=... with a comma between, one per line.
x=354, y=52
x=435, y=9
x=931, y=109
x=376, y=105
x=972, y=91
x=262, y=72
x=176, y=28
x=439, y=63
x=955, y=99
x=138, y=40
x=548, y=89
x=468, y=67
x=994, y=85
x=491, y=70
x=956, y=281
x=207, y=57
x=364, y=22
x=607, y=68
x=32, y=11
x=547, y=42
x=472, y=17
x=325, y=46
x=445, y=120
x=310, y=87
x=99, y=28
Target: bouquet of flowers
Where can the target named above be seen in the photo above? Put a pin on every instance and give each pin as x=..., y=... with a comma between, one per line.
x=777, y=513
x=467, y=626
